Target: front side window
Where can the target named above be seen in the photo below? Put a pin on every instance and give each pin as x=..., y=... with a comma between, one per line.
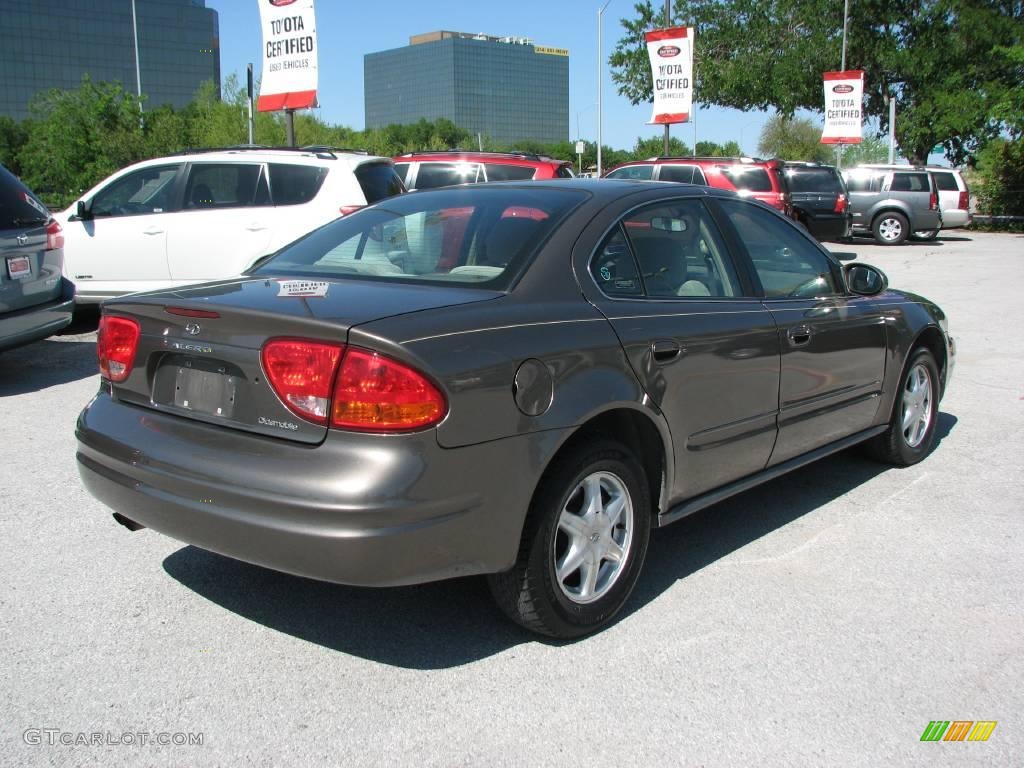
x=864, y=181
x=787, y=263
x=471, y=235
x=565, y=172
x=432, y=175
x=633, y=172
x=145, y=191
x=225, y=185
x=679, y=251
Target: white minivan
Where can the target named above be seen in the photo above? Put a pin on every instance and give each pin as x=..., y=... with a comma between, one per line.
x=206, y=215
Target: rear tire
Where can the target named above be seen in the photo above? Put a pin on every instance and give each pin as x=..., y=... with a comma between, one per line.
x=911, y=433
x=890, y=228
x=583, y=544
x=928, y=234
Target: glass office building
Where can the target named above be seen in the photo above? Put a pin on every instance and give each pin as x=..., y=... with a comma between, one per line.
x=505, y=88
x=52, y=43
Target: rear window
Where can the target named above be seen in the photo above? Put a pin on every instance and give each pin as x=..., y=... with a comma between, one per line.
x=824, y=180
x=483, y=236
x=295, y=184
x=748, y=178
x=946, y=182
x=681, y=173
x=379, y=180
x=18, y=207
x=504, y=172
x=431, y=175
x=633, y=172
x=910, y=182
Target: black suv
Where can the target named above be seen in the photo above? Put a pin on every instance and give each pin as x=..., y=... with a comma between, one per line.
x=35, y=299
x=819, y=198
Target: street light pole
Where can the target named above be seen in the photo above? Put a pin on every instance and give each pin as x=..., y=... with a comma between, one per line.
x=600, y=77
x=135, y=40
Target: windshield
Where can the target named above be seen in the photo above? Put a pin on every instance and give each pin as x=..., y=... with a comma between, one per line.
x=476, y=235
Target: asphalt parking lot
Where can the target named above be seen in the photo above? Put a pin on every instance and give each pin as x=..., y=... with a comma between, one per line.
x=822, y=619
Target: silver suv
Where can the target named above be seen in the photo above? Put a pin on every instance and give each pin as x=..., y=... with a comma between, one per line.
x=891, y=202
x=35, y=300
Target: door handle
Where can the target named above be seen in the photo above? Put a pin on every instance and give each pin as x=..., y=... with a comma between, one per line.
x=255, y=227
x=799, y=335
x=665, y=350
x=152, y=231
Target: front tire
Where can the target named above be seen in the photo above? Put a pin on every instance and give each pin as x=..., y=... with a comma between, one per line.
x=911, y=433
x=583, y=544
x=890, y=228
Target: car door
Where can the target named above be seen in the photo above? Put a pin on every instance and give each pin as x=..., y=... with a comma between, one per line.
x=225, y=222
x=704, y=348
x=916, y=190
x=833, y=343
x=121, y=246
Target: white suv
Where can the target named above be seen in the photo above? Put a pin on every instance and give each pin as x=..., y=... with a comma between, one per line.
x=205, y=215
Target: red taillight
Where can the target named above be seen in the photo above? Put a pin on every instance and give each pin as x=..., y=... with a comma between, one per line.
x=377, y=394
x=964, y=202
x=54, y=236
x=347, y=209
x=840, y=204
x=302, y=373
x=116, y=342
x=933, y=201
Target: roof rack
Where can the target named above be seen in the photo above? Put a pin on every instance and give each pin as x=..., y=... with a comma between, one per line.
x=509, y=153
x=316, y=149
x=711, y=159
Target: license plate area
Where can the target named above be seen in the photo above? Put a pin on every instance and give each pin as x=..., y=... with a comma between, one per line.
x=19, y=267
x=198, y=386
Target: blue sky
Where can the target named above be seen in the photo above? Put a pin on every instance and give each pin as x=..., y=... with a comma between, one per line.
x=347, y=30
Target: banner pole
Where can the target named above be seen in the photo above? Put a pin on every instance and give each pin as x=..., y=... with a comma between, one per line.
x=668, y=13
x=289, y=127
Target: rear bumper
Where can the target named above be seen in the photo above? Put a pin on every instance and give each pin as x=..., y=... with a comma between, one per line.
x=830, y=226
x=358, y=509
x=34, y=323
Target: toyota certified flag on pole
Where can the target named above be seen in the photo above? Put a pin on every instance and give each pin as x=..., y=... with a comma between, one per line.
x=671, y=53
x=289, y=55
x=844, y=92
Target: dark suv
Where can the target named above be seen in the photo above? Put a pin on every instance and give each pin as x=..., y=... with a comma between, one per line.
x=424, y=170
x=35, y=299
x=750, y=177
x=819, y=198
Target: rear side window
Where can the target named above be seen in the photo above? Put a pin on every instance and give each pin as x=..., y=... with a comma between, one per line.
x=225, y=185
x=910, y=182
x=18, y=207
x=946, y=182
x=504, y=172
x=748, y=178
x=614, y=269
x=863, y=182
x=432, y=175
x=564, y=172
x=378, y=181
x=823, y=180
x=682, y=173
x=295, y=184
x=402, y=169
x=633, y=172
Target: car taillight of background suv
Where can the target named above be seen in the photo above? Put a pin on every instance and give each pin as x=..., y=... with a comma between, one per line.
x=425, y=170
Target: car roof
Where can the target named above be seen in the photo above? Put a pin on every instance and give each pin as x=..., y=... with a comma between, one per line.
x=296, y=155
x=602, y=189
x=468, y=154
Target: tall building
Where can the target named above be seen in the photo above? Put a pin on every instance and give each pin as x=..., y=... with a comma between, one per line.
x=506, y=88
x=52, y=43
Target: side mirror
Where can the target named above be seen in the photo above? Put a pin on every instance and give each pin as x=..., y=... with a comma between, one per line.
x=82, y=211
x=844, y=255
x=865, y=280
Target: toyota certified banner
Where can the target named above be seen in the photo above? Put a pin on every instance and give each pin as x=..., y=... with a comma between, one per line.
x=844, y=92
x=289, y=55
x=671, y=53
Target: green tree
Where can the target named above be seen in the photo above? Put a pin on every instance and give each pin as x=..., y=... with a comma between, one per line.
x=871, y=150
x=999, y=179
x=654, y=146
x=953, y=66
x=713, y=149
x=792, y=138
x=13, y=136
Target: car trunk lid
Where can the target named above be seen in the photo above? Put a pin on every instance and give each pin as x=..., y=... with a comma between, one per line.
x=199, y=349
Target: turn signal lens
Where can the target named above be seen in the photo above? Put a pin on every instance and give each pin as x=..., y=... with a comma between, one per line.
x=116, y=342
x=840, y=204
x=54, y=236
x=377, y=394
x=301, y=373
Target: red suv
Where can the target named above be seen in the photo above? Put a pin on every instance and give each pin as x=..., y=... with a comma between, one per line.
x=423, y=170
x=750, y=177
